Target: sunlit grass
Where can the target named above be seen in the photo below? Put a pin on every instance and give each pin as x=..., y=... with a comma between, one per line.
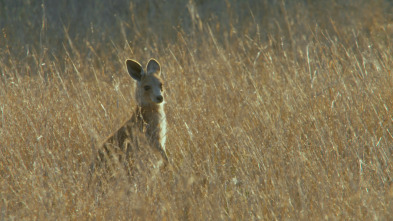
x=266, y=120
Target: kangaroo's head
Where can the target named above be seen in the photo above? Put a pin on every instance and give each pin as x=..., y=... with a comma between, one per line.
x=149, y=84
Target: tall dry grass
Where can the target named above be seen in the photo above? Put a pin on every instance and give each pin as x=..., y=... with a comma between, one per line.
x=276, y=109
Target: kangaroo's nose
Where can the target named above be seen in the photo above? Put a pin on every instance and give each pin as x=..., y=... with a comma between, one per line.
x=160, y=99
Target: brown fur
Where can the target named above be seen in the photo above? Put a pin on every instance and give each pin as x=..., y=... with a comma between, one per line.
x=148, y=121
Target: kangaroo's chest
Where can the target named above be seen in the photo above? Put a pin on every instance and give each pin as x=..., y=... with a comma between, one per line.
x=151, y=123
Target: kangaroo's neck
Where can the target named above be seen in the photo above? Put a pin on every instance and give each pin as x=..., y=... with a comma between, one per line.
x=151, y=114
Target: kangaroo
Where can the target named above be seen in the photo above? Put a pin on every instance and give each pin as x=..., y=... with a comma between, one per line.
x=148, y=119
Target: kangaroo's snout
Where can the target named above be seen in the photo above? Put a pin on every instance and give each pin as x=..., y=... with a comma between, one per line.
x=159, y=98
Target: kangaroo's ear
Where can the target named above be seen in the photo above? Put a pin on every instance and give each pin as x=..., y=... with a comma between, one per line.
x=153, y=67
x=134, y=69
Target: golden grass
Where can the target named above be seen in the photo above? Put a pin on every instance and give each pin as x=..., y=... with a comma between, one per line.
x=283, y=113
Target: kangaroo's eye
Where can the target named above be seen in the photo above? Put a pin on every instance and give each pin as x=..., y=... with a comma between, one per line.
x=147, y=88
x=161, y=86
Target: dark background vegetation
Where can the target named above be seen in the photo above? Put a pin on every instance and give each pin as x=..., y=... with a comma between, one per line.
x=276, y=109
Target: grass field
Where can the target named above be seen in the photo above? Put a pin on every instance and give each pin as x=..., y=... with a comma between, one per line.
x=277, y=110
